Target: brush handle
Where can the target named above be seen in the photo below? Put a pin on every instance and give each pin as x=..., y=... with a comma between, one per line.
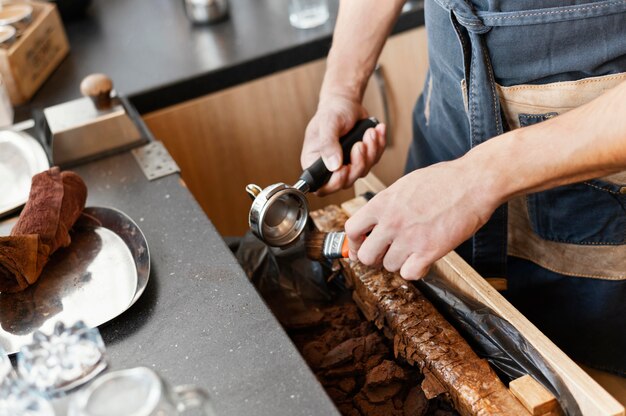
x=335, y=246
x=317, y=174
x=345, y=249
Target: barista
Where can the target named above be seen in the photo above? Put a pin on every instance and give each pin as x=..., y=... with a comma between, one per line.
x=517, y=158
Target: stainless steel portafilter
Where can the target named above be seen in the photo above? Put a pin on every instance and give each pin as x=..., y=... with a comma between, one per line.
x=280, y=212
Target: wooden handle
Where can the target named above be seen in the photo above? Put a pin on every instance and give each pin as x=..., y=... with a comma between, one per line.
x=98, y=87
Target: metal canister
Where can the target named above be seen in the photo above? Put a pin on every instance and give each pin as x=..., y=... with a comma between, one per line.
x=206, y=11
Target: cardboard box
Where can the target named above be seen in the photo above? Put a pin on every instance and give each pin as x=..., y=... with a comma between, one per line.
x=30, y=60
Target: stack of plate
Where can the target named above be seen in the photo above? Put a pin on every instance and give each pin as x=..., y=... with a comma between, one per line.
x=21, y=157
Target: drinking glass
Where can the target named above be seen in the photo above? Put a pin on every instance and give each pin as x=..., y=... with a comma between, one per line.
x=138, y=392
x=306, y=14
x=62, y=360
x=6, y=369
x=18, y=398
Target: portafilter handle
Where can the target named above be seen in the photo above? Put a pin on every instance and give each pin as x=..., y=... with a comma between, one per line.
x=316, y=175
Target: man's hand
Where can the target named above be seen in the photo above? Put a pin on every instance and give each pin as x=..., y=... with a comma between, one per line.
x=421, y=217
x=335, y=116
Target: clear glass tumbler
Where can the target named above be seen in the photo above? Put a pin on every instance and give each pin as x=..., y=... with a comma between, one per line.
x=6, y=369
x=65, y=359
x=138, y=392
x=306, y=14
x=19, y=398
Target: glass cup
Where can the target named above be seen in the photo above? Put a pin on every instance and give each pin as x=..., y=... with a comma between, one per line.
x=6, y=369
x=306, y=14
x=138, y=392
x=18, y=398
x=62, y=360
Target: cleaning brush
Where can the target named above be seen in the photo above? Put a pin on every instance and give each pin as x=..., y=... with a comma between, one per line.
x=320, y=245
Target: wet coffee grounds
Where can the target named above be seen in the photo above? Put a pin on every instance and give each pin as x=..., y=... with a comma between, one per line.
x=354, y=362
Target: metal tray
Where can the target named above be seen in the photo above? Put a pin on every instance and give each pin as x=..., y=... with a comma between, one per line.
x=21, y=157
x=99, y=276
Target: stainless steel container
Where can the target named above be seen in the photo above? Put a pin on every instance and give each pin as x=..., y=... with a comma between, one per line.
x=206, y=11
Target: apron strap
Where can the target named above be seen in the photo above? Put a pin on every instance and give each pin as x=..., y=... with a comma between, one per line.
x=489, y=244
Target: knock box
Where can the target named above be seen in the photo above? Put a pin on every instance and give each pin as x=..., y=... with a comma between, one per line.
x=99, y=124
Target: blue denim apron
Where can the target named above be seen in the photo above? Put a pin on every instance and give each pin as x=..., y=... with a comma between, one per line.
x=473, y=47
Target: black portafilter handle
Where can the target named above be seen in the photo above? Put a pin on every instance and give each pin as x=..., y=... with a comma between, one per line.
x=317, y=174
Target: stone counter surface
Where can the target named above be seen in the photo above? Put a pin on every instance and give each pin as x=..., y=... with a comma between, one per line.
x=200, y=320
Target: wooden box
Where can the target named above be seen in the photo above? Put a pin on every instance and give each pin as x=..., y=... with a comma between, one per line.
x=28, y=62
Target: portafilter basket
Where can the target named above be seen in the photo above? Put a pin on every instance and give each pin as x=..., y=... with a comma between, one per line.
x=280, y=212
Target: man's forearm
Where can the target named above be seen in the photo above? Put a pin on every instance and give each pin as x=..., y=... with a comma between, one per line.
x=584, y=143
x=360, y=33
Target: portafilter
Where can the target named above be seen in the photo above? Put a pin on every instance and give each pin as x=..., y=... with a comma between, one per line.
x=279, y=213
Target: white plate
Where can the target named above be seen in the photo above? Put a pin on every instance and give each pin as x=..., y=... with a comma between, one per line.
x=21, y=158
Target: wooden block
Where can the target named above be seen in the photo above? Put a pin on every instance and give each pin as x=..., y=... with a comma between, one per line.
x=27, y=63
x=351, y=206
x=370, y=183
x=533, y=395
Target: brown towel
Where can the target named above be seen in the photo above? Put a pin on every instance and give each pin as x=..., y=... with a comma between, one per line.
x=55, y=202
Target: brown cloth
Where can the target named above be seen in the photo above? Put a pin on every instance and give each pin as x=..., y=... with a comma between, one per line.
x=55, y=202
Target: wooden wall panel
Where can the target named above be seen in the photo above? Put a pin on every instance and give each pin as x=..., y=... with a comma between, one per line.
x=404, y=64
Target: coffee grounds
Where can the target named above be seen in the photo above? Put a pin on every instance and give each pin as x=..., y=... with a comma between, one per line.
x=355, y=363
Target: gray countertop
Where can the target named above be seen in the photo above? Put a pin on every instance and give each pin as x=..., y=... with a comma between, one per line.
x=200, y=320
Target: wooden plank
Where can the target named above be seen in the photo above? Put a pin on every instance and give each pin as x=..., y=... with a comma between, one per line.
x=28, y=62
x=369, y=183
x=422, y=336
x=354, y=204
x=537, y=400
x=592, y=399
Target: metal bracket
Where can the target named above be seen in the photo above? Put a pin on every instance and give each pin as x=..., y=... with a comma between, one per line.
x=154, y=160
